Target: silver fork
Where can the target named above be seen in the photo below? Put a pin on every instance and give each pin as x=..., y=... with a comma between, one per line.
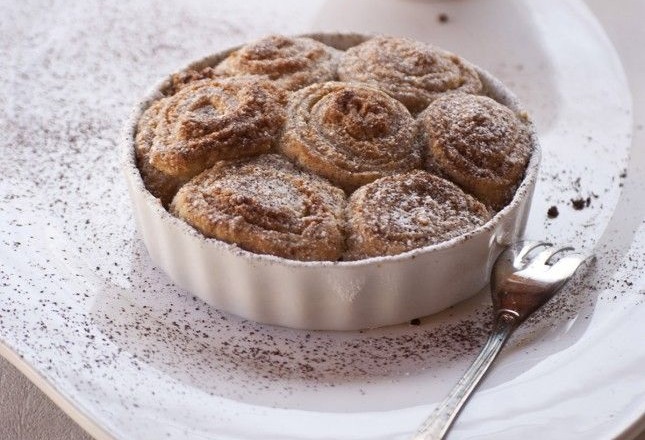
x=520, y=284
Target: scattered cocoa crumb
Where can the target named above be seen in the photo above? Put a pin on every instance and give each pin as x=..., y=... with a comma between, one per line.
x=415, y=321
x=623, y=174
x=580, y=203
x=443, y=18
x=553, y=212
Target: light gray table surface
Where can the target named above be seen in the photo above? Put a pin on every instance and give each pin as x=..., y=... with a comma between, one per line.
x=27, y=414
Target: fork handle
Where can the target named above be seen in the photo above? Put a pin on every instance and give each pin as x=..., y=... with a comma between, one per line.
x=436, y=426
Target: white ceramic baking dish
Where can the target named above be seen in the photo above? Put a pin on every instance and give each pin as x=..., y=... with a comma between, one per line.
x=324, y=295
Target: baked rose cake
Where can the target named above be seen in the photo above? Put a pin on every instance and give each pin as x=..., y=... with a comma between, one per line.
x=293, y=148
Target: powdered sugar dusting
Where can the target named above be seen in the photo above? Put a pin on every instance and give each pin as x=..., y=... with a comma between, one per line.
x=405, y=211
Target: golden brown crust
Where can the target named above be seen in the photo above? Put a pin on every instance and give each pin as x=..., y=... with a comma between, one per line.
x=350, y=134
x=160, y=185
x=415, y=73
x=407, y=211
x=179, y=80
x=212, y=120
x=477, y=143
x=266, y=205
x=292, y=62
x=359, y=135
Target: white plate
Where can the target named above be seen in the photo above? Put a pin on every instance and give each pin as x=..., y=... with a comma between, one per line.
x=87, y=317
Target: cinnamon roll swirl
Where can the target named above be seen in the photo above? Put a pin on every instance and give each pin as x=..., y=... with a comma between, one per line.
x=350, y=134
x=415, y=73
x=211, y=120
x=402, y=212
x=161, y=185
x=292, y=62
x=477, y=143
x=266, y=205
